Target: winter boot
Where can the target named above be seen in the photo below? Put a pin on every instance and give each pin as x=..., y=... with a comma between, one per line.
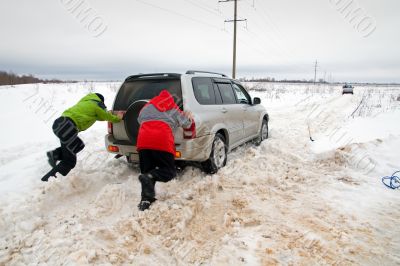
x=46, y=177
x=148, y=183
x=145, y=204
x=53, y=158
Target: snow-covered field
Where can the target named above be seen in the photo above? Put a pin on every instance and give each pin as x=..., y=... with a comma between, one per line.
x=290, y=201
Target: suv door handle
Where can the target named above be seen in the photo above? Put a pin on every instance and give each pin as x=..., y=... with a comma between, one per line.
x=223, y=109
x=244, y=108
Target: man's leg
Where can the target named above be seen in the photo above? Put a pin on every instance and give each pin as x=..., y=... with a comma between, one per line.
x=163, y=169
x=56, y=155
x=166, y=169
x=146, y=162
x=71, y=144
x=65, y=166
x=69, y=152
x=68, y=161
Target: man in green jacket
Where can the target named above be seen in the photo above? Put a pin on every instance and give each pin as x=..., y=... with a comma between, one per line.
x=80, y=117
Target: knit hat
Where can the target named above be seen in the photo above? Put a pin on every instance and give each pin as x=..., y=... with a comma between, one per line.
x=100, y=96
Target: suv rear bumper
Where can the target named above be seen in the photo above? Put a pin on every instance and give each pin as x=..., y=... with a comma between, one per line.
x=198, y=149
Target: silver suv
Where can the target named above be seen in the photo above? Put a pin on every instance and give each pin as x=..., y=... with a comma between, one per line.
x=225, y=116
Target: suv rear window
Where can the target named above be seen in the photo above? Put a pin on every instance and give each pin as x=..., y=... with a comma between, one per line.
x=145, y=89
x=203, y=89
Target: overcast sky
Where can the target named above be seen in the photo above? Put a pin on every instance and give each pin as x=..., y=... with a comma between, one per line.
x=281, y=39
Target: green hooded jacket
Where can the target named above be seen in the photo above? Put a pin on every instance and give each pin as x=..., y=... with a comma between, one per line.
x=89, y=110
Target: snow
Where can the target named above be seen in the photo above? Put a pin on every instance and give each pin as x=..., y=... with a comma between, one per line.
x=288, y=201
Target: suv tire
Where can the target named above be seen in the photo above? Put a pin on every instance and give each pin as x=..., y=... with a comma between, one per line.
x=263, y=135
x=218, y=155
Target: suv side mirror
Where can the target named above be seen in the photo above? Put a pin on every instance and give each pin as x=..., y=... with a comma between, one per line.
x=256, y=100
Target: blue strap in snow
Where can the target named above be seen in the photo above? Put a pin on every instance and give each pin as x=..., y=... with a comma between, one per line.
x=392, y=182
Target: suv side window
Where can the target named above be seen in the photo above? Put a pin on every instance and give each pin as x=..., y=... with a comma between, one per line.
x=228, y=97
x=241, y=94
x=203, y=90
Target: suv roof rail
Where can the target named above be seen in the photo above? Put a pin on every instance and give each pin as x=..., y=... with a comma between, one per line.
x=170, y=75
x=207, y=72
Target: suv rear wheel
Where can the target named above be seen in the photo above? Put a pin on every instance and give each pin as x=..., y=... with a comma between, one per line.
x=218, y=155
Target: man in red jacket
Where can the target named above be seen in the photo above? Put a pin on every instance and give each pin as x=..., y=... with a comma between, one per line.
x=158, y=121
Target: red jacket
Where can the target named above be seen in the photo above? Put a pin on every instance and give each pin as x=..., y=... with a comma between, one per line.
x=158, y=121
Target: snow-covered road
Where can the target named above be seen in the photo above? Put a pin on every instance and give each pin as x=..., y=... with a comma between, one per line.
x=289, y=201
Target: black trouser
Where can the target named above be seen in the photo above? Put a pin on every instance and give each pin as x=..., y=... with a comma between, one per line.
x=159, y=164
x=65, y=129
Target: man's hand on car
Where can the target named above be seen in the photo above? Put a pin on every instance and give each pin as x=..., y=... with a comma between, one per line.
x=189, y=115
x=120, y=115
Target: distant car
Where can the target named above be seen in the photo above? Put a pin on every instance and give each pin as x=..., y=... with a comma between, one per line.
x=225, y=116
x=347, y=89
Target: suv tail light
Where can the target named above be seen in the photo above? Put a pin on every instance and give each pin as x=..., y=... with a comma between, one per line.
x=110, y=128
x=190, y=133
x=112, y=148
x=110, y=124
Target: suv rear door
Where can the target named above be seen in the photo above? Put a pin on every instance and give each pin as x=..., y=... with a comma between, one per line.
x=231, y=111
x=143, y=88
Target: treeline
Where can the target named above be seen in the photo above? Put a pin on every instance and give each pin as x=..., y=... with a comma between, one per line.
x=282, y=81
x=319, y=81
x=9, y=78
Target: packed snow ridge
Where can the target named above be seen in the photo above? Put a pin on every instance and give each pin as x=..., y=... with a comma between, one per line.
x=290, y=201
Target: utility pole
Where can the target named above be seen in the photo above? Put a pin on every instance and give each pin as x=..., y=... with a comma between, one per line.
x=235, y=20
x=315, y=71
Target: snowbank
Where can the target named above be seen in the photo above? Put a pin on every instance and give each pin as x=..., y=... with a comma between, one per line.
x=288, y=201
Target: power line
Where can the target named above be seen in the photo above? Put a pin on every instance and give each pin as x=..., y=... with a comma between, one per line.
x=271, y=21
x=178, y=14
x=264, y=39
x=256, y=41
x=262, y=46
x=204, y=8
x=269, y=39
x=265, y=17
x=252, y=45
x=198, y=21
x=211, y=7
